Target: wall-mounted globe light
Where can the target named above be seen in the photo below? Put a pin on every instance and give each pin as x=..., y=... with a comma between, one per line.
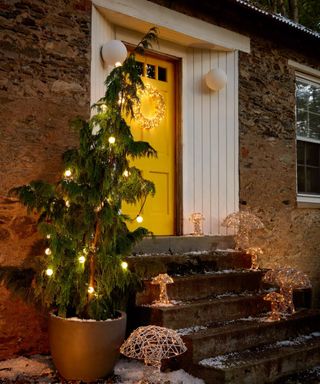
x=113, y=53
x=216, y=79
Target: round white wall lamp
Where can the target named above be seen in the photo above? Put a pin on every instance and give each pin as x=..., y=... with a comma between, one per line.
x=216, y=79
x=113, y=53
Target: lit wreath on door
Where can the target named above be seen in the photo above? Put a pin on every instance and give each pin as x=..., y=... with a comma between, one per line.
x=160, y=108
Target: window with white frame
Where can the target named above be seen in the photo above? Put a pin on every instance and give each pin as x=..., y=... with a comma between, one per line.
x=308, y=138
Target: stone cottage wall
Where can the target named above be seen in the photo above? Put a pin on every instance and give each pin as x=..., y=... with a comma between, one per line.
x=44, y=83
x=268, y=160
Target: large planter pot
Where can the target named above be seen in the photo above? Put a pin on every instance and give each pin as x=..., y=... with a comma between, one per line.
x=85, y=350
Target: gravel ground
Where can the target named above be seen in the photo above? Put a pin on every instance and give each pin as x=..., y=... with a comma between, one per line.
x=39, y=369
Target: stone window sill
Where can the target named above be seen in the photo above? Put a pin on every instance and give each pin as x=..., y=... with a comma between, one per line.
x=308, y=201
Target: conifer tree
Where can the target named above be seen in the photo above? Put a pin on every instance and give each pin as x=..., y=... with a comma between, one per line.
x=83, y=272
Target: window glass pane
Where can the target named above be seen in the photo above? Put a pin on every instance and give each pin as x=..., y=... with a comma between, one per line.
x=301, y=179
x=312, y=154
x=308, y=109
x=313, y=180
x=302, y=120
x=314, y=125
x=162, y=74
x=300, y=152
x=151, y=71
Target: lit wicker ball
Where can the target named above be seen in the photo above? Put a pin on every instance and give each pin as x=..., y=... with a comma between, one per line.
x=153, y=344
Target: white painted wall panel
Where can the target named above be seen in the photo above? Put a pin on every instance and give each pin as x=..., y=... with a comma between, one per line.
x=210, y=158
x=102, y=31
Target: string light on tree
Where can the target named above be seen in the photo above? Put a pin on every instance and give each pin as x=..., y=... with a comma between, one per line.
x=49, y=272
x=82, y=259
x=124, y=265
x=125, y=173
x=48, y=236
x=112, y=140
x=90, y=290
x=67, y=202
x=48, y=251
x=68, y=172
x=139, y=219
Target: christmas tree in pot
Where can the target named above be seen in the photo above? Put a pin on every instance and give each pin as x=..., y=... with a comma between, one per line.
x=83, y=272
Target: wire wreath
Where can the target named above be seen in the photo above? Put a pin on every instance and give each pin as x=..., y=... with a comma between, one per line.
x=155, y=96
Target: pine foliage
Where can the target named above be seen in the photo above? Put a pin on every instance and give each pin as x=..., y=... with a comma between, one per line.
x=80, y=216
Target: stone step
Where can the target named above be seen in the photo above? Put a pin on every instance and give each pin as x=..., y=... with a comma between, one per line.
x=261, y=365
x=201, y=312
x=245, y=333
x=203, y=286
x=151, y=265
x=182, y=244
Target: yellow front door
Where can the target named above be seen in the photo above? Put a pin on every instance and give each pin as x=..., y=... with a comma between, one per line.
x=155, y=123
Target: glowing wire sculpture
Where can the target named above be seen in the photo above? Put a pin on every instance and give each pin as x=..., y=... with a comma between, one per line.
x=278, y=305
x=287, y=279
x=153, y=344
x=151, y=96
x=197, y=218
x=254, y=252
x=162, y=279
x=245, y=223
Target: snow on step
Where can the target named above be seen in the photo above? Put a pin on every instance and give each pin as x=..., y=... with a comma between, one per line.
x=239, y=358
x=262, y=364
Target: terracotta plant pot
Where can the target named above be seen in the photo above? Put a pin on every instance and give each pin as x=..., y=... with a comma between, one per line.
x=86, y=350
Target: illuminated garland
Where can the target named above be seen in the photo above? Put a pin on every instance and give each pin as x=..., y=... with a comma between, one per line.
x=155, y=96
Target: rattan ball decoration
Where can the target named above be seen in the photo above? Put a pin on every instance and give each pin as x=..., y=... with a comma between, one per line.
x=155, y=97
x=153, y=344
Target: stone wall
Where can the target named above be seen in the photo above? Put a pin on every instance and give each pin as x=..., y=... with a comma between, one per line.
x=268, y=160
x=44, y=83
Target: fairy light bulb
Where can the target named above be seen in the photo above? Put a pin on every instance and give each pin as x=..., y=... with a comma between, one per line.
x=121, y=100
x=124, y=265
x=139, y=219
x=112, y=140
x=67, y=172
x=82, y=259
x=48, y=251
x=48, y=236
x=126, y=173
x=90, y=290
x=67, y=203
x=49, y=272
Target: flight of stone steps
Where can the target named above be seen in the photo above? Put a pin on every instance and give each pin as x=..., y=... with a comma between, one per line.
x=219, y=310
